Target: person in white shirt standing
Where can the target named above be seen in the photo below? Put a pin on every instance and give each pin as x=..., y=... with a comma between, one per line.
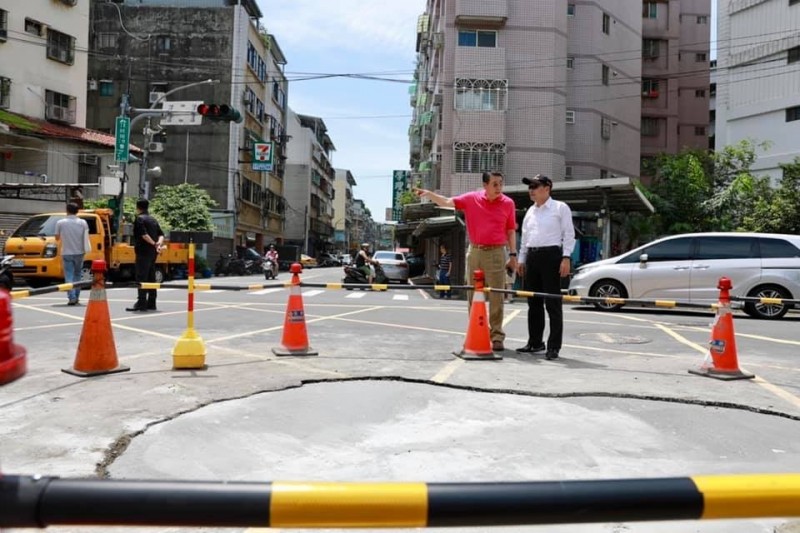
x=548, y=238
x=71, y=233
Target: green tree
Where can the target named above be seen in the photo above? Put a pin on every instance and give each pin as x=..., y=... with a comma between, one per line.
x=679, y=191
x=779, y=211
x=185, y=207
x=128, y=208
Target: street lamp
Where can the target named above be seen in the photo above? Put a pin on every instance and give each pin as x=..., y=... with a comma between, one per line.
x=144, y=190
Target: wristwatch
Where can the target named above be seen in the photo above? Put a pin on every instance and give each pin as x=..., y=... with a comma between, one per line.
x=512, y=254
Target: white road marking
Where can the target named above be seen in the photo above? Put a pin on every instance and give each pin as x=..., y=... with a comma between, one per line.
x=312, y=293
x=267, y=291
x=356, y=295
x=400, y=297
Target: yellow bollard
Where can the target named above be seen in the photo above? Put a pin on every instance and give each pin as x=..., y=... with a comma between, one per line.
x=189, y=351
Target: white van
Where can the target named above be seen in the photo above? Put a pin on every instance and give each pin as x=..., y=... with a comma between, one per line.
x=688, y=268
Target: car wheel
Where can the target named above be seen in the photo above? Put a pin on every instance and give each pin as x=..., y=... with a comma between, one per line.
x=86, y=272
x=607, y=288
x=160, y=276
x=767, y=311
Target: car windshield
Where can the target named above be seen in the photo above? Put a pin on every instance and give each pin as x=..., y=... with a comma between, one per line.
x=45, y=226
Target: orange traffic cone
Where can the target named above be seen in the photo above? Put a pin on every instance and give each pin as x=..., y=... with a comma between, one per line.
x=721, y=362
x=295, y=336
x=97, y=353
x=12, y=356
x=478, y=344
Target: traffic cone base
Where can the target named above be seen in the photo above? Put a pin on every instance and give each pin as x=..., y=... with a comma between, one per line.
x=721, y=362
x=15, y=366
x=189, y=351
x=97, y=353
x=286, y=351
x=463, y=354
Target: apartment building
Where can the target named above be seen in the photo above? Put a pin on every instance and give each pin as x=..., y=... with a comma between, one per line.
x=43, y=139
x=525, y=87
x=309, y=185
x=758, y=79
x=676, y=49
x=556, y=87
x=343, y=210
x=161, y=51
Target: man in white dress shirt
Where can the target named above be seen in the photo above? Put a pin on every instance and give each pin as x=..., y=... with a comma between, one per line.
x=548, y=238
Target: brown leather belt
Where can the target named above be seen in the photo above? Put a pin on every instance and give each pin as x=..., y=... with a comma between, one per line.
x=488, y=246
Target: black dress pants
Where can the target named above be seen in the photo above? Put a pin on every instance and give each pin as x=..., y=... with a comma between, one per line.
x=542, y=275
x=146, y=273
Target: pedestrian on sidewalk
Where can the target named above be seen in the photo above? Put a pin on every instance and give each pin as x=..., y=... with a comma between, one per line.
x=148, y=242
x=72, y=233
x=548, y=238
x=445, y=266
x=491, y=226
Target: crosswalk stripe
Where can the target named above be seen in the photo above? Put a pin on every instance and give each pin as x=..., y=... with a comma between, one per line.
x=356, y=295
x=400, y=297
x=266, y=291
x=312, y=293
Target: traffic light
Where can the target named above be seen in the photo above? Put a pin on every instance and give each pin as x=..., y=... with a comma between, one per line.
x=221, y=113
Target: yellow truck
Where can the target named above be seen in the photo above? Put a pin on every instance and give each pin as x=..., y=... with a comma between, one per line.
x=37, y=255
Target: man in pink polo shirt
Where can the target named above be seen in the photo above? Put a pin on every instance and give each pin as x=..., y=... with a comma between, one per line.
x=491, y=227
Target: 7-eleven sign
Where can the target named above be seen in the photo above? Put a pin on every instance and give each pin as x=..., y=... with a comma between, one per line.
x=262, y=156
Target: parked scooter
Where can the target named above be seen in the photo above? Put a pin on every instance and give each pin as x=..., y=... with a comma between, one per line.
x=228, y=265
x=270, y=269
x=354, y=275
x=6, y=276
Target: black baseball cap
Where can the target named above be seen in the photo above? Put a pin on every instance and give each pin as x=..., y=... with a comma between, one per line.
x=538, y=179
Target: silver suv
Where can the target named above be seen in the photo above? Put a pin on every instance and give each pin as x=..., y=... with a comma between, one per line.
x=688, y=267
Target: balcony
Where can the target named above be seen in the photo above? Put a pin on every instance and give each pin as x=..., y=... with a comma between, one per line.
x=492, y=13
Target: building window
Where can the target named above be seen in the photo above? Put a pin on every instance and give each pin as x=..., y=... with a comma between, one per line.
x=702, y=19
x=701, y=58
x=570, y=62
x=106, y=88
x=650, y=10
x=34, y=27
x=5, y=92
x=712, y=89
x=570, y=116
x=606, y=24
x=479, y=38
x=249, y=100
x=474, y=158
x=88, y=168
x=650, y=88
x=481, y=95
x=605, y=128
x=3, y=25
x=793, y=54
x=699, y=130
x=650, y=48
x=700, y=93
x=603, y=174
x=163, y=44
x=712, y=115
x=60, y=47
x=60, y=107
x=570, y=10
x=568, y=172
x=793, y=113
x=107, y=41
x=606, y=72
x=649, y=127
x=278, y=94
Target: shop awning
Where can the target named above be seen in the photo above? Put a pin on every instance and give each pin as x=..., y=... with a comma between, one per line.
x=618, y=195
x=432, y=227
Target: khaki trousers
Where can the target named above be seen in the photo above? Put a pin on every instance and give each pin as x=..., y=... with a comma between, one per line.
x=493, y=263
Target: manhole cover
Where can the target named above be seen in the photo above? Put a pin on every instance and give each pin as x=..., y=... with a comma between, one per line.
x=613, y=338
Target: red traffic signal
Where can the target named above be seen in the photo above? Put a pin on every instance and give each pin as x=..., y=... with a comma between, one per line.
x=222, y=112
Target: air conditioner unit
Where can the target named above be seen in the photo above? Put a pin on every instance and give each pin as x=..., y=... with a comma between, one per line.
x=58, y=113
x=155, y=96
x=89, y=159
x=247, y=98
x=438, y=39
x=436, y=157
x=155, y=148
x=92, y=85
x=437, y=99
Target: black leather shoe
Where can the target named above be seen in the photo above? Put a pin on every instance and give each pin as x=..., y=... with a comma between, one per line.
x=529, y=348
x=551, y=354
x=135, y=309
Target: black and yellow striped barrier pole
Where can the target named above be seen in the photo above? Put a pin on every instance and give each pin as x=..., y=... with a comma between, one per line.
x=62, y=287
x=765, y=301
x=42, y=501
x=213, y=287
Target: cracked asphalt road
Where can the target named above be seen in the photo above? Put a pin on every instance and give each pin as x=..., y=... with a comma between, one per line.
x=386, y=400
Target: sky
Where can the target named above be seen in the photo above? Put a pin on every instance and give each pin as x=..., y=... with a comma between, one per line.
x=367, y=120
